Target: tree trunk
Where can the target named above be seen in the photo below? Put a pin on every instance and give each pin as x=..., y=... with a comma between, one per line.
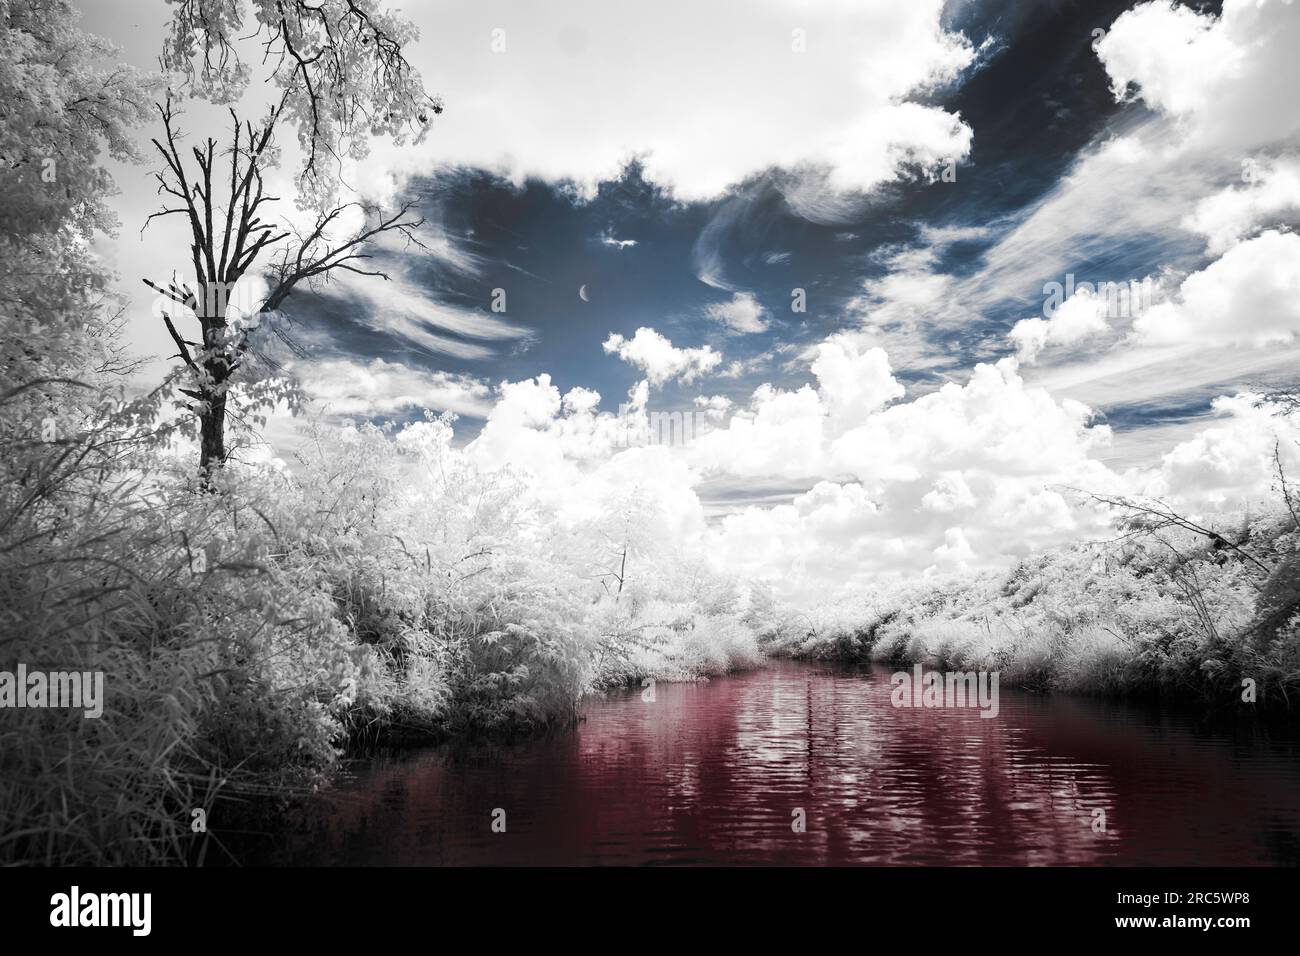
x=212, y=418
x=212, y=435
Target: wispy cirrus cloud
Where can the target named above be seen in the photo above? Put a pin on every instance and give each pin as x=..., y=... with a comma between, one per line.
x=411, y=312
x=377, y=388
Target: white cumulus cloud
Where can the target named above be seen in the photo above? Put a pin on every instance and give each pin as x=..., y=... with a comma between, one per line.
x=661, y=361
x=1270, y=194
x=742, y=314
x=1079, y=317
x=1250, y=297
x=817, y=85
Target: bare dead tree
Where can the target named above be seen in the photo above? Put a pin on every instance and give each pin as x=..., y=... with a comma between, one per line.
x=343, y=77
x=620, y=576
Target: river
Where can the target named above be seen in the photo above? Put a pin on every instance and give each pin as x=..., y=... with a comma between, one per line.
x=725, y=771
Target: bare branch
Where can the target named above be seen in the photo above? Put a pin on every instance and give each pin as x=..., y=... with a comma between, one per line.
x=180, y=342
x=1164, y=516
x=1286, y=488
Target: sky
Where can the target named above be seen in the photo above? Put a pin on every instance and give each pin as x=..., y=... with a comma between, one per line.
x=865, y=245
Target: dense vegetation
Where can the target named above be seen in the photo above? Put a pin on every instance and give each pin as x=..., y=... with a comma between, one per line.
x=1162, y=608
x=251, y=629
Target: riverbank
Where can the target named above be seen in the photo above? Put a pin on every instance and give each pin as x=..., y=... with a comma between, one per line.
x=252, y=632
x=1178, y=616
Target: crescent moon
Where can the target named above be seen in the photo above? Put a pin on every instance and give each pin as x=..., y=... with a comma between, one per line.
x=582, y=293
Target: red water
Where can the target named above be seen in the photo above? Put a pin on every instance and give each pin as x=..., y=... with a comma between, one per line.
x=714, y=773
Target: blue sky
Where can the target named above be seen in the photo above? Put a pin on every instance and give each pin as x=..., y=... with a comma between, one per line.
x=918, y=173
x=1036, y=98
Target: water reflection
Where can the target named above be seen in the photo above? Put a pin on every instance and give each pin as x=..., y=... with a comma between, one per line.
x=713, y=773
